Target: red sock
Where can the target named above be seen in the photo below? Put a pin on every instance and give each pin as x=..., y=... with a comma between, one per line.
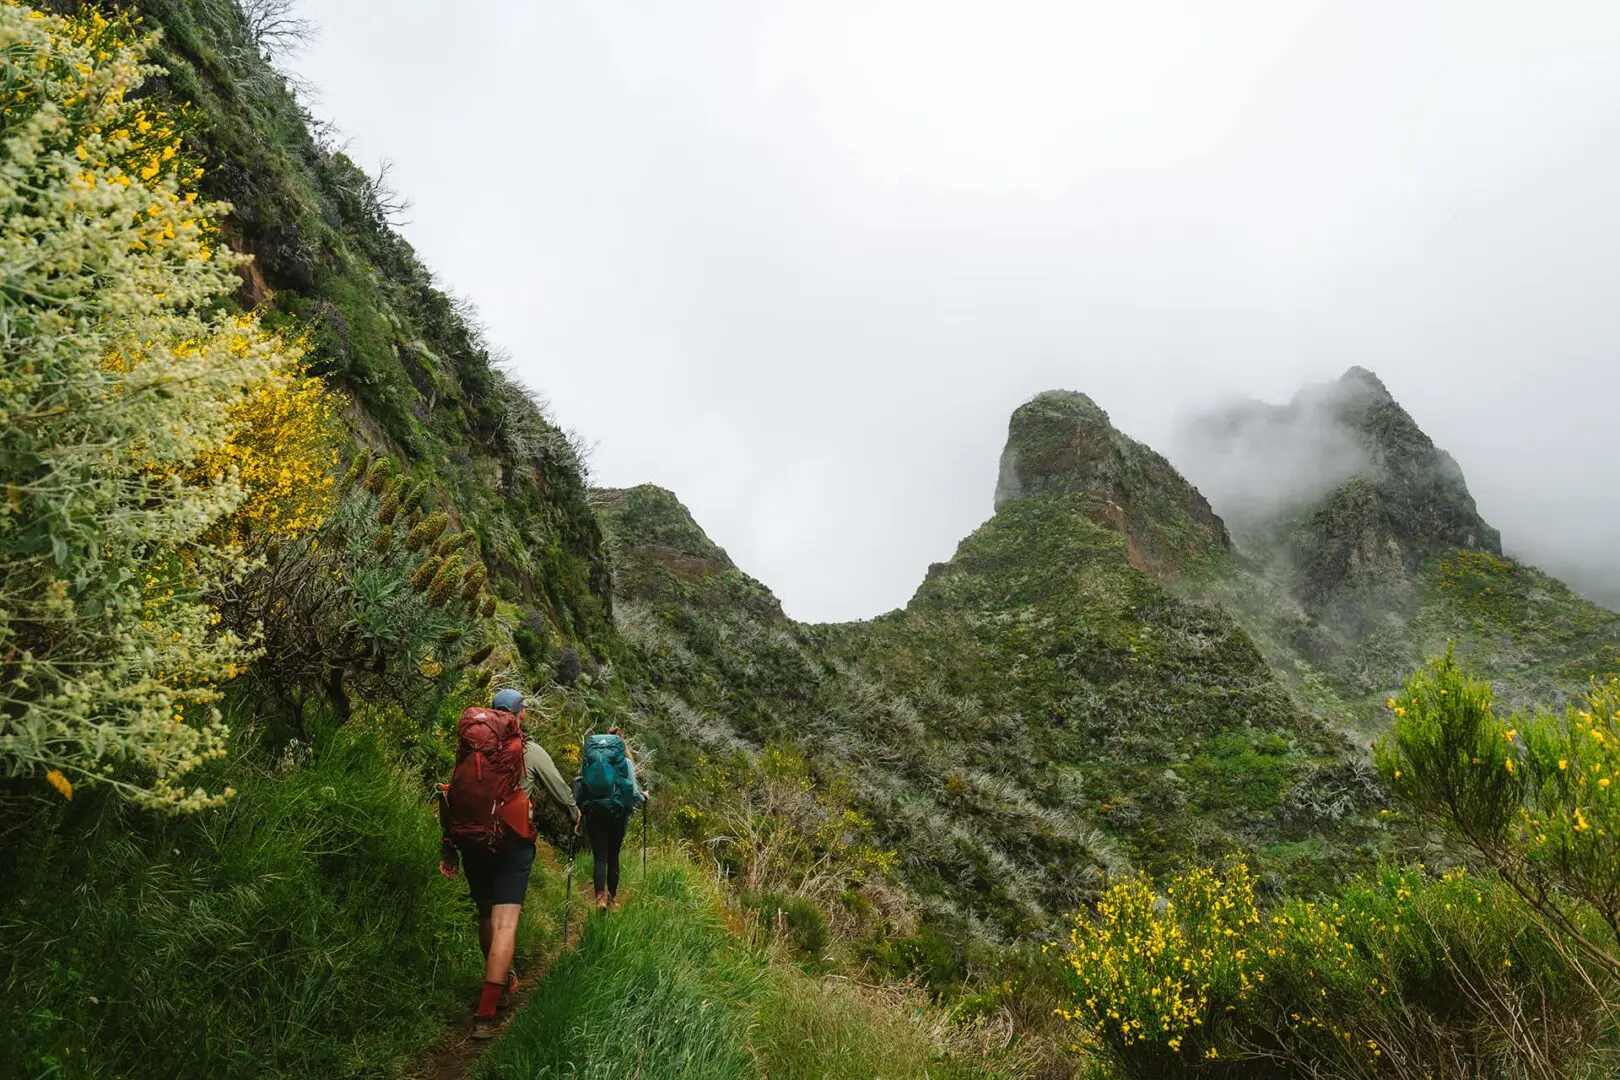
x=491, y=995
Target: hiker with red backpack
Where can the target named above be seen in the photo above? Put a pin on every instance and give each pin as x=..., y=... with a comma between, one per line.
x=606, y=791
x=499, y=786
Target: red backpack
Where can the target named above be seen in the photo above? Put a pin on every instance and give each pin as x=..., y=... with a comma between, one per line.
x=485, y=804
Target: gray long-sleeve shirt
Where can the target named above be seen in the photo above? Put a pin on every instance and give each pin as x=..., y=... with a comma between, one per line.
x=540, y=775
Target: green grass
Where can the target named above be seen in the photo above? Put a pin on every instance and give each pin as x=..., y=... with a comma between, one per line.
x=302, y=931
x=664, y=990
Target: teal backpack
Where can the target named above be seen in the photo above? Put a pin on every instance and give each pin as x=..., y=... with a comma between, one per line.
x=604, y=781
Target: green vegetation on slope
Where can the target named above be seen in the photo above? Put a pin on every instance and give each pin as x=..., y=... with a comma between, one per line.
x=1102, y=694
x=925, y=796
x=424, y=385
x=1360, y=552
x=664, y=988
x=1040, y=714
x=300, y=931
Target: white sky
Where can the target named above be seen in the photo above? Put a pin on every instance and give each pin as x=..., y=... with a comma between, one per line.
x=798, y=262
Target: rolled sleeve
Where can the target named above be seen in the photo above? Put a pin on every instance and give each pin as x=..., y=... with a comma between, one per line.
x=540, y=776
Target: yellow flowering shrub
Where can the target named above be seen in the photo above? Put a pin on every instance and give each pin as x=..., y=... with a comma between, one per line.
x=282, y=449
x=1448, y=751
x=1151, y=969
x=1570, y=825
x=117, y=375
x=1197, y=979
x=1536, y=795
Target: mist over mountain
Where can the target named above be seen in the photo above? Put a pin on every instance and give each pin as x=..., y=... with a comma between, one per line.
x=1260, y=462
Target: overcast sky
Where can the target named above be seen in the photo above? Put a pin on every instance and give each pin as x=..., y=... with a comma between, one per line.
x=799, y=261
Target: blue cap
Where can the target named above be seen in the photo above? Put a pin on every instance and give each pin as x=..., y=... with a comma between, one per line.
x=508, y=701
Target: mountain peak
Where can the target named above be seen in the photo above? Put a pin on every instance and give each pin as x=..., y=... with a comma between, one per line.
x=1344, y=477
x=1057, y=441
x=1061, y=442
x=1360, y=377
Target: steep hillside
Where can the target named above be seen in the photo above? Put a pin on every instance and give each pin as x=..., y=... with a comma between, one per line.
x=1361, y=552
x=421, y=383
x=930, y=843
x=300, y=929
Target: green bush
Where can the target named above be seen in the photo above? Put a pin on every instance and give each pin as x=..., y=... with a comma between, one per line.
x=1536, y=796
x=803, y=921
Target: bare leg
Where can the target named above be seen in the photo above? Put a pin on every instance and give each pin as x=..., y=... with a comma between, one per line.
x=486, y=932
x=503, y=922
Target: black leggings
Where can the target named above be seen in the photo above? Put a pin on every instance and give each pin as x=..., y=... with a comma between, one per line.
x=606, y=830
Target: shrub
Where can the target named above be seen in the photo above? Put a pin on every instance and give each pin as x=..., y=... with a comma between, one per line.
x=347, y=609
x=1402, y=973
x=797, y=917
x=118, y=380
x=1536, y=796
x=568, y=666
x=282, y=450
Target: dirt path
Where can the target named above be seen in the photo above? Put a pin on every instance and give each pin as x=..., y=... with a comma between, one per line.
x=456, y=1052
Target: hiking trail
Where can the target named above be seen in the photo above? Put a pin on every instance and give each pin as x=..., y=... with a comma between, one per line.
x=455, y=1054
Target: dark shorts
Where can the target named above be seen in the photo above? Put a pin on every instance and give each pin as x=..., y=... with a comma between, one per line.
x=500, y=877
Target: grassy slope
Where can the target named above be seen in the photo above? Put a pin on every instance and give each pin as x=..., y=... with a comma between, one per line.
x=422, y=383
x=666, y=989
x=301, y=931
x=1101, y=693
x=1024, y=722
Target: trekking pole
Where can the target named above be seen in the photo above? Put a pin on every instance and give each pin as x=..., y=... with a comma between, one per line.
x=643, y=837
x=568, y=896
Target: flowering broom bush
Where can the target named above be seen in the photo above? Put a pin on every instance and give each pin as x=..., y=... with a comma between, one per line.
x=120, y=382
x=1402, y=974
x=1536, y=796
x=283, y=448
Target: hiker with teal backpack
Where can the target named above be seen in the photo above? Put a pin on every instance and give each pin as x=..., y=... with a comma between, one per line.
x=606, y=791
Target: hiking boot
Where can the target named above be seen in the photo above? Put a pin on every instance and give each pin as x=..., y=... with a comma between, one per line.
x=613, y=903
x=487, y=1027
x=601, y=902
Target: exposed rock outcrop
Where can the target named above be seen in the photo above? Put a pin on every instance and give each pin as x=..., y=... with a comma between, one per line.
x=1062, y=443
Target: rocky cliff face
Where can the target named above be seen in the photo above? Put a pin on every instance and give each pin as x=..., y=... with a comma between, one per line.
x=1408, y=504
x=1062, y=443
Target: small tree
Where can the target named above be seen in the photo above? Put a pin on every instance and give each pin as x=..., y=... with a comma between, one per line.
x=276, y=27
x=1536, y=796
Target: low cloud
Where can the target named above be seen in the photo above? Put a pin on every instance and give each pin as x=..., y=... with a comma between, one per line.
x=1253, y=460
